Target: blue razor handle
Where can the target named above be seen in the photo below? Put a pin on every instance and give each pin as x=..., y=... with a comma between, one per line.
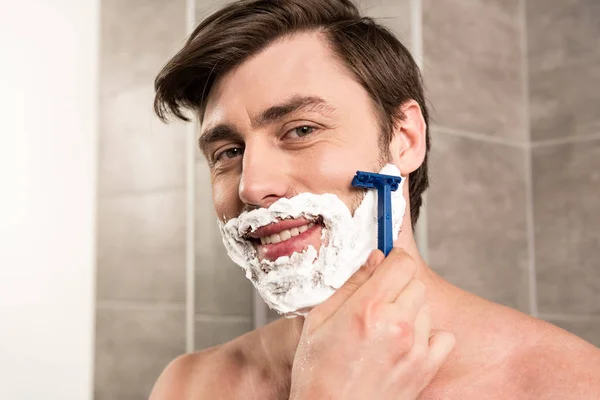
x=385, y=185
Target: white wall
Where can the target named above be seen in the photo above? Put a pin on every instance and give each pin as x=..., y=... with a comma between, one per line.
x=48, y=68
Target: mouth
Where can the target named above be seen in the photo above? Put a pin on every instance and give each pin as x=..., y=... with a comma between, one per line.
x=285, y=237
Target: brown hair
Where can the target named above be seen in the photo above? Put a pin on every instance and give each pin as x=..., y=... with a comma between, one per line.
x=224, y=40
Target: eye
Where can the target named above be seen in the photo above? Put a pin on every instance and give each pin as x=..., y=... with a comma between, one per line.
x=232, y=152
x=302, y=131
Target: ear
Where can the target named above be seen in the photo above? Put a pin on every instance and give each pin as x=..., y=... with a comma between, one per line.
x=408, y=144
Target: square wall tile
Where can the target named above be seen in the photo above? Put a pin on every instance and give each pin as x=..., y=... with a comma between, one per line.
x=212, y=331
x=473, y=66
x=137, y=152
x=138, y=37
x=561, y=30
x=132, y=349
x=588, y=330
x=221, y=286
x=566, y=202
x=393, y=14
x=141, y=247
x=476, y=210
x=564, y=100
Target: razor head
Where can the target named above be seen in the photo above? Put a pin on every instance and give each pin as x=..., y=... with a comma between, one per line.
x=371, y=180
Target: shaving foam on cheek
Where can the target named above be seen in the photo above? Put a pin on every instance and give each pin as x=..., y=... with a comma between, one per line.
x=294, y=284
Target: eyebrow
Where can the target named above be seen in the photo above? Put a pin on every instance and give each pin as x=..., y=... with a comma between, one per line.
x=294, y=104
x=271, y=115
x=219, y=132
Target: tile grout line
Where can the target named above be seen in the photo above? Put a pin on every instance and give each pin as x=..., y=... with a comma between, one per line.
x=221, y=318
x=572, y=61
x=480, y=137
x=416, y=38
x=529, y=210
x=141, y=305
x=524, y=145
x=567, y=140
x=190, y=165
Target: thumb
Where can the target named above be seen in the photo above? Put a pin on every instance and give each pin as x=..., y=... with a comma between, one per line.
x=326, y=309
x=441, y=344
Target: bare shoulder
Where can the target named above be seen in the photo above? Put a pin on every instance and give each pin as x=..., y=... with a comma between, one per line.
x=191, y=376
x=219, y=372
x=515, y=356
x=556, y=364
x=238, y=369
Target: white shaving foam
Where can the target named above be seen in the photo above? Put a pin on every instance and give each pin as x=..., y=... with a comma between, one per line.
x=294, y=284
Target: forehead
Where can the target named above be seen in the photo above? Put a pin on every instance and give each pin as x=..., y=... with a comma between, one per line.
x=301, y=64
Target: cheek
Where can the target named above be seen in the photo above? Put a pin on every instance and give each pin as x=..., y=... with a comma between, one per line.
x=325, y=169
x=331, y=169
x=225, y=199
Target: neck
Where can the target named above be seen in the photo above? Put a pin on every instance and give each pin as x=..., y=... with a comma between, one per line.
x=279, y=341
x=445, y=299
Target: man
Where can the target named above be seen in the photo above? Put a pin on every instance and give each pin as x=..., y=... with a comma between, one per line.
x=295, y=96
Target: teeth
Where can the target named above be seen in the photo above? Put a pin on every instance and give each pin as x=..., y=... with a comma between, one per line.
x=275, y=238
x=285, y=234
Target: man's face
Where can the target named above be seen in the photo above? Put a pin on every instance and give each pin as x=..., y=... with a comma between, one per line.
x=287, y=121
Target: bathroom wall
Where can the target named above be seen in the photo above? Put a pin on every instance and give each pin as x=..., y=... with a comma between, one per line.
x=514, y=207
x=564, y=102
x=141, y=248
x=478, y=205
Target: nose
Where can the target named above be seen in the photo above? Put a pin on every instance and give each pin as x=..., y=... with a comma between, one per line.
x=263, y=180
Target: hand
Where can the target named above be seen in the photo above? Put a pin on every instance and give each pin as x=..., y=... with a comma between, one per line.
x=371, y=339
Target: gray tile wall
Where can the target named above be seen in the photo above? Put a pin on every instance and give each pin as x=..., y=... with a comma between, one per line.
x=477, y=204
x=473, y=66
x=514, y=207
x=564, y=81
x=477, y=217
x=133, y=345
x=140, y=322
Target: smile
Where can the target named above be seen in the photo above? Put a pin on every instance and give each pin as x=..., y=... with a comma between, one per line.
x=285, y=234
x=286, y=237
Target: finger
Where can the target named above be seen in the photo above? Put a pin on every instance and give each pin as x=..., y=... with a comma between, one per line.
x=410, y=300
x=324, y=310
x=422, y=330
x=441, y=345
x=390, y=278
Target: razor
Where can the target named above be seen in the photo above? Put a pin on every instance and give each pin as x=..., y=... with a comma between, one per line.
x=385, y=185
